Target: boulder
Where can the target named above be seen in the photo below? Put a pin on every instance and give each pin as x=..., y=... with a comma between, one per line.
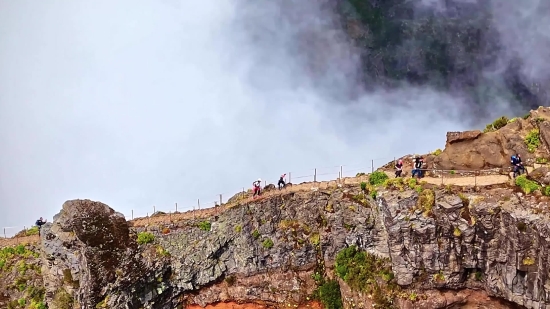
x=540, y=175
x=473, y=150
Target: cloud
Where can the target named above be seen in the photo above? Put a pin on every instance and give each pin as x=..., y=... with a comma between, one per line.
x=139, y=103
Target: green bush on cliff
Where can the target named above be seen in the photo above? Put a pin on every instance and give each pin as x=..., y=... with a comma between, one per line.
x=364, y=272
x=330, y=295
x=532, y=140
x=32, y=231
x=377, y=178
x=145, y=238
x=528, y=186
x=497, y=124
x=205, y=226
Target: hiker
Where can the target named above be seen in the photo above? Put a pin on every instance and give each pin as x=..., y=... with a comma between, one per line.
x=39, y=223
x=398, y=168
x=418, y=164
x=281, y=182
x=257, y=185
x=516, y=162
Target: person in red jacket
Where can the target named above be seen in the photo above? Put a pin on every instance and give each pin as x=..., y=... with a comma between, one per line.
x=257, y=186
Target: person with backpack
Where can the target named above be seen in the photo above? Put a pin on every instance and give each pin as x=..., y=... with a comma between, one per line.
x=257, y=186
x=418, y=164
x=39, y=223
x=516, y=162
x=281, y=182
x=398, y=168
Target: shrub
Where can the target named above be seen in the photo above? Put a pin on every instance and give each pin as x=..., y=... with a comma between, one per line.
x=532, y=140
x=238, y=228
x=377, y=178
x=478, y=275
x=330, y=295
x=528, y=186
x=255, y=234
x=528, y=261
x=230, y=280
x=145, y=238
x=546, y=191
x=62, y=299
x=360, y=174
x=267, y=243
x=315, y=239
x=205, y=226
x=362, y=271
x=32, y=231
x=426, y=201
x=497, y=124
x=437, y=152
x=363, y=186
x=541, y=160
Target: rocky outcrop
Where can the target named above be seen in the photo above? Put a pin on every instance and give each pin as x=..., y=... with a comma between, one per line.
x=267, y=251
x=473, y=150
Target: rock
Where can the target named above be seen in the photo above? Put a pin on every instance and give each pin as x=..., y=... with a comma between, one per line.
x=540, y=175
x=453, y=137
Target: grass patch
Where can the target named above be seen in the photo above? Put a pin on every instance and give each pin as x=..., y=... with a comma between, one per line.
x=532, y=140
x=255, y=234
x=205, y=226
x=540, y=160
x=315, y=238
x=526, y=185
x=238, y=228
x=267, y=243
x=32, y=231
x=363, y=186
x=377, y=178
x=145, y=238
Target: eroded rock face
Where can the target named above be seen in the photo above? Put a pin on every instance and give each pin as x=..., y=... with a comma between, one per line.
x=473, y=150
x=266, y=251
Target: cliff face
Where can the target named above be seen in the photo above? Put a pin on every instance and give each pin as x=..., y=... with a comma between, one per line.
x=269, y=251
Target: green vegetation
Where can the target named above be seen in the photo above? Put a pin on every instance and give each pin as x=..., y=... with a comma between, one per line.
x=426, y=202
x=32, y=231
x=377, y=178
x=162, y=251
x=362, y=271
x=330, y=295
x=360, y=174
x=439, y=276
x=363, y=186
x=546, y=190
x=528, y=186
x=205, y=226
x=255, y=234
x=145, y=238
x=238, y=228
x=478, y=275
x=395, y=183
x=315, y=238
x=532, y=140
x=541, y=160
x=267, y=243
x=231, y=280
x=62, y=299
x=497, y=124
x=437, y=152
x=457, y=232
x=528, y=261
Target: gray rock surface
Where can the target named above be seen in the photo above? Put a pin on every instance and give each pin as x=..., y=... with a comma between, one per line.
x=472, y=236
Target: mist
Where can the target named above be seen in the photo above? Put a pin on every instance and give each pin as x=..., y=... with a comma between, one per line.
x=139, y=103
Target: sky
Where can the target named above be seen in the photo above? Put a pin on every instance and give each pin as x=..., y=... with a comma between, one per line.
x=147, y=103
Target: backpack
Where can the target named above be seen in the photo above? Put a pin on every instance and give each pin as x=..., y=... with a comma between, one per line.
x=38, y=222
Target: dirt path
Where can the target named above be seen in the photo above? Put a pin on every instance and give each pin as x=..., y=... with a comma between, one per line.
x=484, y=180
